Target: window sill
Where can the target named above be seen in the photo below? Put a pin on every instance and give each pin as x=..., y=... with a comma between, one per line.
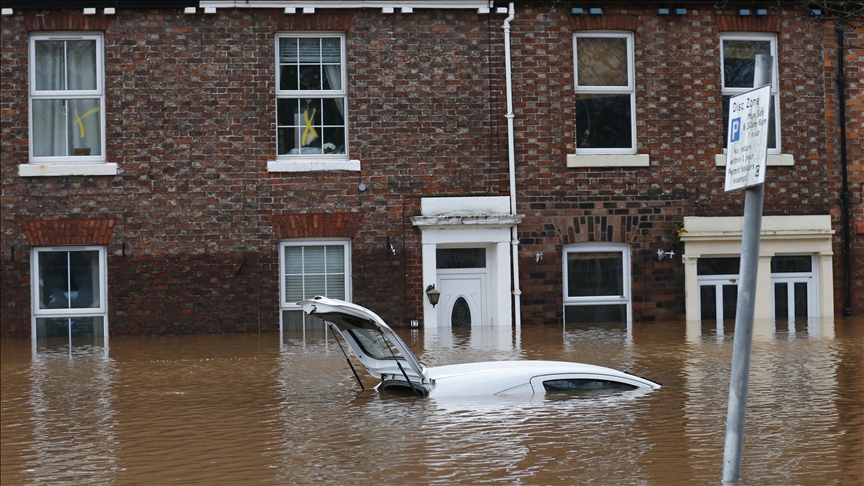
x=78, y=169
x=775, y=159
x=308, y=165
x=596, y=160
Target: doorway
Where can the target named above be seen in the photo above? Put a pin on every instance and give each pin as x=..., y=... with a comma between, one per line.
x=462, y=279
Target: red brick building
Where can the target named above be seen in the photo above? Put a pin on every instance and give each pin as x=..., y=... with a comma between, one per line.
x=199, y=166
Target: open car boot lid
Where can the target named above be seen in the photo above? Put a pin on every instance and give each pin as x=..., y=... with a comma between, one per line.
x=381, y=351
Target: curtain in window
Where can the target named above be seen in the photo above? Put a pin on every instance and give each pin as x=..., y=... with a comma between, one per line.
x=602, y=61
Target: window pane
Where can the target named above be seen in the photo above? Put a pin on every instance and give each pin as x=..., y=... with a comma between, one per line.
x=335, y=259
x=315, y=285
x=601, y=61
x=718, y=266
x=81, y=62
x=87, y=326
x=332, y=77
x=293, y=260
x=293, y=288
x=50, y=65
x=84, y=281
x=52, y=328
x=49, y=128
x=85, y=127
x=53, y=280
x=334, y=140
x=739, y=61
x=801, y=309
x=331, y=50
x=781, y=299
x=310, y=50
x=288, y=77
x=603, y=121
x=588, y=314
x=60, y=327
x=730, y=301
x=593, y=274
x=310, y=77
x=336, y=286
x=333, y=111
x=708, y=302
x=313, y=259
x=791, y=264
x=460, y=258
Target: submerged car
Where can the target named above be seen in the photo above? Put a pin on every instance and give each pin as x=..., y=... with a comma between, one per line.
x=386, y=357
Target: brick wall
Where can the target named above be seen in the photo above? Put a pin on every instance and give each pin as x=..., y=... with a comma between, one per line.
x=191, y=123
x=679, y=123
x=197, y=217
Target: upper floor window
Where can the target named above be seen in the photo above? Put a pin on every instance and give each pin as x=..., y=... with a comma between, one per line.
x=67, y=98
x=311, y=97
x=738, y=54
x=605, y=93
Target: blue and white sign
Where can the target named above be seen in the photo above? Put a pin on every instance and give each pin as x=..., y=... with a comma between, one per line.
x=747, y=147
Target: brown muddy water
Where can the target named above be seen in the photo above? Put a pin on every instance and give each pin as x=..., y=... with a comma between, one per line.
x=271, y=409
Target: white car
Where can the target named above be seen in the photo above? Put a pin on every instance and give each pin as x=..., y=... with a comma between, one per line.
x=386, y=357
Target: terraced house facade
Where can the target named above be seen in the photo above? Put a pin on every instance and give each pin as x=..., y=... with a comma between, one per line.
x=200, y=166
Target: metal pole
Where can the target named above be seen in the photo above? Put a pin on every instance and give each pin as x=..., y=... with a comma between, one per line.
x=751, y=232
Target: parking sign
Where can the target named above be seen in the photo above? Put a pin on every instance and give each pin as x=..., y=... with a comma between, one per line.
x=747, y=147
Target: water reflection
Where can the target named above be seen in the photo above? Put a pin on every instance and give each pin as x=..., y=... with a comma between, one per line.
x=246, y=409
x=71, y=400
x=763, y=329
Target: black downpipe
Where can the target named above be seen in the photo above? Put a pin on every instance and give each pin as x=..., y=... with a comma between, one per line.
x=847, y=244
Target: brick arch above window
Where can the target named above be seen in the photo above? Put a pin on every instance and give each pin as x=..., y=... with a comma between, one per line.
x=732, y=22
x=317, y=225
x=600, y=228
x=604, y=22
x=335, y=22
x=53, y=232
x=65, y=21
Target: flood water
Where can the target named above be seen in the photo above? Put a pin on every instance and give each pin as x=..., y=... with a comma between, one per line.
x=271, y=409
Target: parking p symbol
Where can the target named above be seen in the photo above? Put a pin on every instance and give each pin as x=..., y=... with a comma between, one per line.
x=736, y=130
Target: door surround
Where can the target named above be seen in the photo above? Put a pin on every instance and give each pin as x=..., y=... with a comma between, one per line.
x=484, y=221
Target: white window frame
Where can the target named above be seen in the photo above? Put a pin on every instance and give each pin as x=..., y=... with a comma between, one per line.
x=625, y=299
x=310, y=242
x=775, y=90
x=314, y=162
x=791, y=278
x=629, y=89
x=68, y=164
x=37, y=313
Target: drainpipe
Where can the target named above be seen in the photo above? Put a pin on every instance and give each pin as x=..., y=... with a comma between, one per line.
x=847, y=244
x=514, y=235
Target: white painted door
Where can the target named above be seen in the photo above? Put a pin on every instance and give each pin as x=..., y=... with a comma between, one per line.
x=463, y=299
